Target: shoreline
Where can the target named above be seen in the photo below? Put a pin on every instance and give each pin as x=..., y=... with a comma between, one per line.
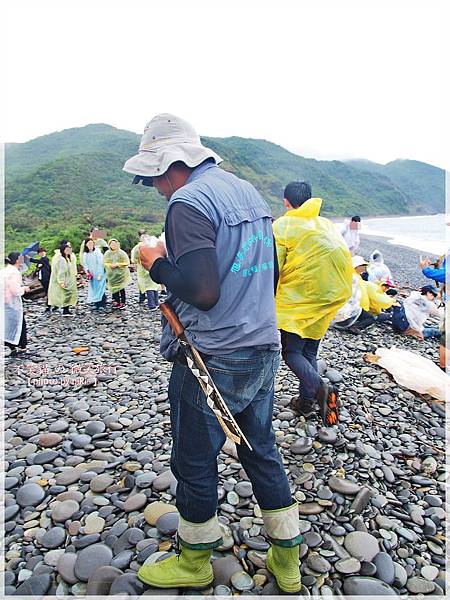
x=373, y=217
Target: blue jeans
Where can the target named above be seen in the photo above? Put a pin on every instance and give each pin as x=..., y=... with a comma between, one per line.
x=430, y=332
x=152, y=298
x=300, y=355
x=245, y=379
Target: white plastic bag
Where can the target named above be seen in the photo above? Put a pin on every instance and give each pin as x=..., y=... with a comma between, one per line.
x=415, y=372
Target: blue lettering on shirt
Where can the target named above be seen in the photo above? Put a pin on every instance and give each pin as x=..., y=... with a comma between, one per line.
x=240, y=255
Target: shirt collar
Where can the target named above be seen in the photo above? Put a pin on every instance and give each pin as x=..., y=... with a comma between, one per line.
x=204, y=166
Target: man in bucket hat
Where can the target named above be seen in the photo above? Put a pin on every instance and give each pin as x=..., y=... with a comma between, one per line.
x=219, y=270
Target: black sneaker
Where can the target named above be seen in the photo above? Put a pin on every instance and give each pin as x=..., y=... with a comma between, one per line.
x=305, y=408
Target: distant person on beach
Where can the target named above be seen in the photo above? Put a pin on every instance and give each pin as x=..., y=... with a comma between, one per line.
x=219, y=271
x=118, y=276
x=43, y=270
x=96, y=274
x=352, y=318
x=350, y=232
x=148, y=289
x=315, y=282
x=435, y=270
x=15, y=329
x=409, y=317
x=373, y=296
x=53, y=264
x=377, y=270
x=62, y=291
x=98, y=241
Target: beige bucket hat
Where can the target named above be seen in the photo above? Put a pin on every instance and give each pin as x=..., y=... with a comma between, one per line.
x=167, y=139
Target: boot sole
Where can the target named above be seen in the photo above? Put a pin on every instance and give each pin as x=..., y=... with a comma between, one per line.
x=329, y=406
x=293, y=590
x=177, y=584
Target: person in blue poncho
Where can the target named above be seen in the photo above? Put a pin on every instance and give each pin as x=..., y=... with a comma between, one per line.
x=437, y=270
x=93, y=265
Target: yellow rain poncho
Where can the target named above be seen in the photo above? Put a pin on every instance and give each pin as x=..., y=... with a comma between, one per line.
x=315, y=271
x=373, y=299
x=62, y=289
x=119, y=277
x=145, y=282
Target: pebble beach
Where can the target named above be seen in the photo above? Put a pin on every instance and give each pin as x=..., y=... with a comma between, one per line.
x=89, y=495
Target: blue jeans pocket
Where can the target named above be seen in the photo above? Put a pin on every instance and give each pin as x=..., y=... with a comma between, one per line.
x=234, y=384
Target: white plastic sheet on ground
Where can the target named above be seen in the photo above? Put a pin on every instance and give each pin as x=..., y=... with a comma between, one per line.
x=415, y=372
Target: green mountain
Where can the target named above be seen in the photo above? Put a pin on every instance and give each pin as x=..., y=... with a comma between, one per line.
x=423, y=183
x=58, y=185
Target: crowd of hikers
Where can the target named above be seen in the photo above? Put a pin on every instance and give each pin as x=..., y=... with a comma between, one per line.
x=244, y=288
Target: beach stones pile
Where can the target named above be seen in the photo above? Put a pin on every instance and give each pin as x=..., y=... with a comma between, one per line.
x=89, y=493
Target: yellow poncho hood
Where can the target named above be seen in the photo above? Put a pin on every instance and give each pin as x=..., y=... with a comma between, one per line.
x=315, y=271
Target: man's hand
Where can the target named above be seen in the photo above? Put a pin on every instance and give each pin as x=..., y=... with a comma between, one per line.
x=424, y=262
x=148, y=254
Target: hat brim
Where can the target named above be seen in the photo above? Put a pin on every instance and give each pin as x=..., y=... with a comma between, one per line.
x=154, y=163
x=360, y=264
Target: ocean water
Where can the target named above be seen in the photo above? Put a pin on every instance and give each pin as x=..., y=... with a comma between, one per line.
x=429, y=234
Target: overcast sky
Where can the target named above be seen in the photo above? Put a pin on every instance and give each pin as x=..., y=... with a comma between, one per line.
x=324, y=78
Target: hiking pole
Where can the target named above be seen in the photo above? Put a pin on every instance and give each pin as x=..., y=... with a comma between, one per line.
x=203, y=376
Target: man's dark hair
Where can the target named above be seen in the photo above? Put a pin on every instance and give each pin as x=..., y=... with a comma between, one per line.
x=356, y=219
x=297, y=192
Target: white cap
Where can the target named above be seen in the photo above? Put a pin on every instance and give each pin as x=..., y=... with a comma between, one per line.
x=358, y=261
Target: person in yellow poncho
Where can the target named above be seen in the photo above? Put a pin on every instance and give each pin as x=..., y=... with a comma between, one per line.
x=373, y=298
x=118, y=276
x=368, y=300
x=315, y=280
x=147, y=287
x=62, y=290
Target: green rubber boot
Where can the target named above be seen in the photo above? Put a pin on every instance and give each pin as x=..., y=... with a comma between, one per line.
x=190, y=569
x=284, y=564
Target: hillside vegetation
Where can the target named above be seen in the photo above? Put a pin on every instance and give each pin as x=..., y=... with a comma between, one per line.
x=60, y=184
